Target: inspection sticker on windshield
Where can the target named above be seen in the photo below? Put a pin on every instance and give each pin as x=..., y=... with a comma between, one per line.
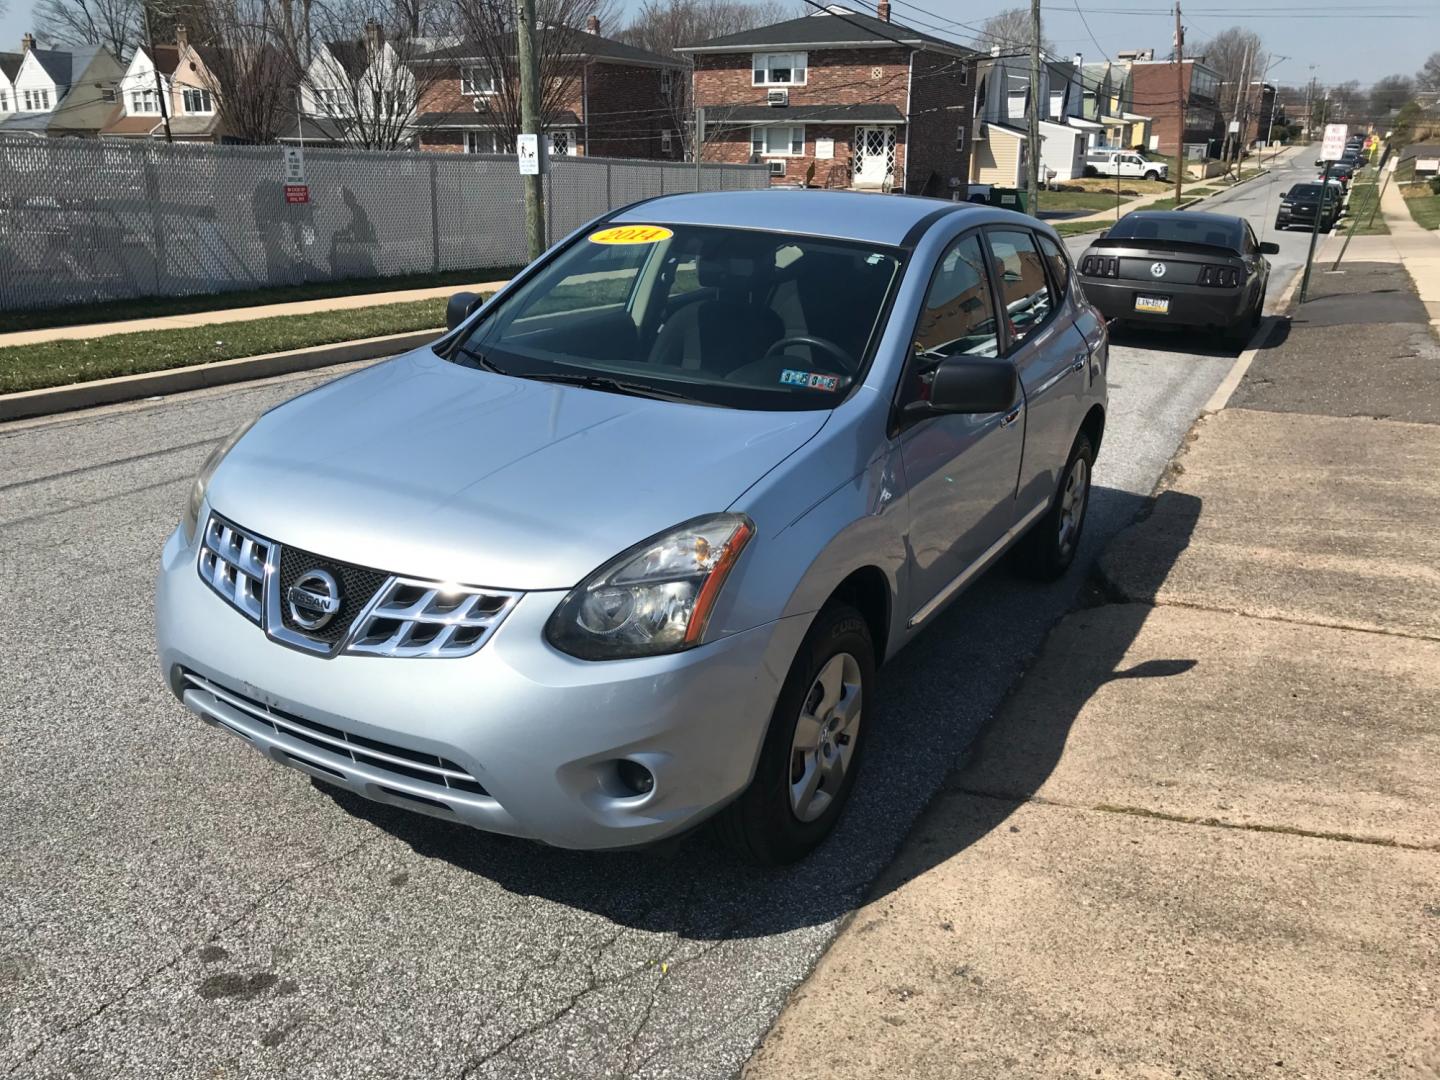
x=811, y=380
x=631, y=234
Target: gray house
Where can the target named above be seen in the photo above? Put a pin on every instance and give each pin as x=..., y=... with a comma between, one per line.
x=1002, y=108
x=59, y=92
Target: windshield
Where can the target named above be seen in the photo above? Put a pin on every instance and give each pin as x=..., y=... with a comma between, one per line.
x=1194, y=230
x=717, y=316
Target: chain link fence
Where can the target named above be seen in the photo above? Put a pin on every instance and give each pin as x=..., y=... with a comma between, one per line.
x=83, y=221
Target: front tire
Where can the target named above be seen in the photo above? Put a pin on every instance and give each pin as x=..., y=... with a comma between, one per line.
x=1151, y=174
x=1049, y=547
x=812, y=747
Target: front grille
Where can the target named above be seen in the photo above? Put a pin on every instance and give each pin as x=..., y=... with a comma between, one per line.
x=380, y=614
x=358, y=585
x=387, y=757
x=232, y=562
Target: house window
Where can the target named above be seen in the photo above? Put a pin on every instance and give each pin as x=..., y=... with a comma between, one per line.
x=37, y=101
x=483, y=142
x=559, y=142
x=960, y=137
x=196, y=100
x=477, y=80
x=1015, y=104
x=786, y=141
x=665, y=137
x=329, y=99
x=107, y=94
x=1057, y=103
x=145, y=101
x=778, y=69
x=4, y=101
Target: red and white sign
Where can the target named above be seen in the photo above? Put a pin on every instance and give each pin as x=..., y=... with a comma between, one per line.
x=297, y=193
x=1333, y=149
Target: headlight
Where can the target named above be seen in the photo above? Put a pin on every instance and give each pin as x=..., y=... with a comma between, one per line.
x=655, y=598
x=191, y=517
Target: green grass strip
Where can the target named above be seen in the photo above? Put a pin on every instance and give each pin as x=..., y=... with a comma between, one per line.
x=60, y=363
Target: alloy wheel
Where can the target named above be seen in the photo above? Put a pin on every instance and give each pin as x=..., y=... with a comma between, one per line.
x=825, y=734
x=1072, y=503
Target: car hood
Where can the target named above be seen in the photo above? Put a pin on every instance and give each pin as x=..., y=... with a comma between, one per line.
x=422, y=467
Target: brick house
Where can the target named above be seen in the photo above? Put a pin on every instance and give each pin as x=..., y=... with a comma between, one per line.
x=867, y=102
x=1153, y=82
x=609, y=107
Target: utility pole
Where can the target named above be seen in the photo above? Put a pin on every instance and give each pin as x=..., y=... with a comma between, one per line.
x=155, y=67
x=1032, y=174
x=1309, y=116
x=697, y=141
x=1179, y=106
x=530, y=125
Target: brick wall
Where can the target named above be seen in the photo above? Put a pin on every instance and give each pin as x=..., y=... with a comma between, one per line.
x=732, y=145
x=1155, y=96
x=625, y=112
x=942, y=95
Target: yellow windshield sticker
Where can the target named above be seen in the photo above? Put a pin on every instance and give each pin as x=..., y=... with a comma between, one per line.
x=631, y=234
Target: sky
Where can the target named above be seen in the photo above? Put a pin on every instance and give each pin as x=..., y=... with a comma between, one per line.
x=1361, y=39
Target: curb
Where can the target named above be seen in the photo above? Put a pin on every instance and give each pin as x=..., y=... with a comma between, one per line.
x=58, y=399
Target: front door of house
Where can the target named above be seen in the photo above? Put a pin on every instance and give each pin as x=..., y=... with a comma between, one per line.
x=874, y=156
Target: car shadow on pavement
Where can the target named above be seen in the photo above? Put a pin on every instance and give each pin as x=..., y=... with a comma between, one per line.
x=935, y=698
x=1180, y=342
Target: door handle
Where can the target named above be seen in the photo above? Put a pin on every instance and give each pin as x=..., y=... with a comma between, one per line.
x=1078, y=364
x=1010, y=417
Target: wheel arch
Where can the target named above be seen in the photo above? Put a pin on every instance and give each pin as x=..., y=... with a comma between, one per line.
x=868, y=591
x=1093, y=426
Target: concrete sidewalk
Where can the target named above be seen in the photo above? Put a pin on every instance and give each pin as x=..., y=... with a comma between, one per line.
x=1202, y=839
x=239, y=314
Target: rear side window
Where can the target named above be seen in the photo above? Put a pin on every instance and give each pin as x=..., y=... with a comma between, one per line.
x=1059, y=264
x=1024, y=289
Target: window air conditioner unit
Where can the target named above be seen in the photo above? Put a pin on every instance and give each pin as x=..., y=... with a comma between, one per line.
x=778, y=97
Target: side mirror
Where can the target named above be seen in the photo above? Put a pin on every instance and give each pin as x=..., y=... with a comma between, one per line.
x=970, y=384
x=1269, y=248
x=460, y=307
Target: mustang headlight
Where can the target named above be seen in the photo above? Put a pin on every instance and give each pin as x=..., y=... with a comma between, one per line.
x=655, y=598
x=190, y=519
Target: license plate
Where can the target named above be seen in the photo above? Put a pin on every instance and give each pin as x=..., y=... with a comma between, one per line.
x=1153, y=305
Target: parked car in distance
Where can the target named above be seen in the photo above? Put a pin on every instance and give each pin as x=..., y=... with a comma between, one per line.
x=1341, y=171
x=622, y=551
x=1180, y=268
x=1125, y=163
x=1299, y=205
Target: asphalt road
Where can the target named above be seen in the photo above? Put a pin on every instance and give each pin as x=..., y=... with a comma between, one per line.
x=172, y=905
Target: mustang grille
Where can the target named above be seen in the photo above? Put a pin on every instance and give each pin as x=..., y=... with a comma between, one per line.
x=380, y=614
x=399, y=760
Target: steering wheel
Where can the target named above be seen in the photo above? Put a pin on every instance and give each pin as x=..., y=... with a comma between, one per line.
x=846, y=363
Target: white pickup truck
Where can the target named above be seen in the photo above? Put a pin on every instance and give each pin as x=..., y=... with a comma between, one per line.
x=1124, y=163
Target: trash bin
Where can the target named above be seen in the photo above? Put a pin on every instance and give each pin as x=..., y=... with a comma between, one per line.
x=1008, y=198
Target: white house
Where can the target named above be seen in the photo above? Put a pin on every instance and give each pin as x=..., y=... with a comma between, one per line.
x=356, y=92
x=9, y=68
x=60, y=92
x=148, y=83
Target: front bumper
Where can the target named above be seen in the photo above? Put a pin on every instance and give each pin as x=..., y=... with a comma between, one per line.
x=539, y=732
x=1190, y=305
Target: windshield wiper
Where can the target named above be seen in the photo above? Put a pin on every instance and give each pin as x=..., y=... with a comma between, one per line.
x=591, y=381
x=482, y=361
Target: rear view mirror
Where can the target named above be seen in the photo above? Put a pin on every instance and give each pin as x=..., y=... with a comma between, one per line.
x=968, y=384
x=1269, y=248
x=460, y=307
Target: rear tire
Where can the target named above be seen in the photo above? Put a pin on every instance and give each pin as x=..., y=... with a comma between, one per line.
x=1049, y=547
x=815, y=741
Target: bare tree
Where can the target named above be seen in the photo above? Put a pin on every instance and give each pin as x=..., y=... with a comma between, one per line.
x=1389, y=94
x=114, y=24
x=250, y=76
x=360, y=82
x=1010, y=30
x=1428, y=77
x=488, y=28
x=662, y=26
x=1238, y=55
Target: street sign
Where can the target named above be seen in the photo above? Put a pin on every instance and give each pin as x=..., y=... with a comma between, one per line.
x=527, y=147
x=294, y=165
x=1333, y=148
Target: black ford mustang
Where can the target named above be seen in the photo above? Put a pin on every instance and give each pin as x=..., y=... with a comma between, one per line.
x=1179, y=268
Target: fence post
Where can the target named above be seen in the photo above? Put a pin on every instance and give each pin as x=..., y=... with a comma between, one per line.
x=549, y=204
x=434, y=219
x=157, y=224
x=609, y=189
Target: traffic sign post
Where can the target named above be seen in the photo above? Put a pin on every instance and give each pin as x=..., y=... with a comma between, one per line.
x=1331, y=151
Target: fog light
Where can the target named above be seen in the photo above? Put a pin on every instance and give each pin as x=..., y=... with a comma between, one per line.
x=634, y=777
